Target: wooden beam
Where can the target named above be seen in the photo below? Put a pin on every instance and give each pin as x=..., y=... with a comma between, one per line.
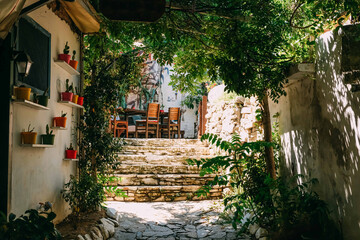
x=34, y=6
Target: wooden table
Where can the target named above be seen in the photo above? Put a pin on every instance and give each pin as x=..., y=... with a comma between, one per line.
x=130, y=112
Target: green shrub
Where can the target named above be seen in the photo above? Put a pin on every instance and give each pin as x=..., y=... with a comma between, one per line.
x=287, y=209
x=83, y=194
x=30, y=226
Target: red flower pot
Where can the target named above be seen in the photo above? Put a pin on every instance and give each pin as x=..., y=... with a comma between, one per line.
x=80, y=101
x=71, y=154
x=66, y=96
x=65, y=57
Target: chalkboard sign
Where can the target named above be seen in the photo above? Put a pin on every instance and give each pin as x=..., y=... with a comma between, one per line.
x=36, y=42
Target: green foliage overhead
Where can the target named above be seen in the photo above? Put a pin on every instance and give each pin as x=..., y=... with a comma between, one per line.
x=248, y=44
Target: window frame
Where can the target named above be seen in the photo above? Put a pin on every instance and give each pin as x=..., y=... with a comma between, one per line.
x=37, y=26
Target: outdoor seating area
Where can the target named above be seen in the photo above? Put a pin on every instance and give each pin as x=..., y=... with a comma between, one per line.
x=150, y=123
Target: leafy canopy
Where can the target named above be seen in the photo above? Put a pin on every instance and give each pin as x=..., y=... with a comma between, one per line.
x=247, y=44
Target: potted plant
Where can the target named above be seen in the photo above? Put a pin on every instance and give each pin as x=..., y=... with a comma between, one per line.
x=70, y=152
x=60, y=121
x=43, y=99
x=75, y=96
x=80, y=100
x=48, y=138
x=22, y=92
x=162, y=108
x=65, y=55
x=72, y=62
x=28, y=137
x=67, y=95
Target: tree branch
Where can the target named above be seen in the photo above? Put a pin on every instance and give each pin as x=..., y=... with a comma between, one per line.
x=293, y=16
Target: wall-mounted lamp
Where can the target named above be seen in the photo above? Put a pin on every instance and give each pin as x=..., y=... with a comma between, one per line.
x=23, y=63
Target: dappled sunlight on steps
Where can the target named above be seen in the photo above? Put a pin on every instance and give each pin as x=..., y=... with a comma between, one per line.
x=154, y=170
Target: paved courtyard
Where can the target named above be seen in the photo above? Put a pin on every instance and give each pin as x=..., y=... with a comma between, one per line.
x=172, y=220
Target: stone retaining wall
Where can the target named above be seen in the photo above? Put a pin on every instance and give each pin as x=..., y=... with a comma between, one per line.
x=235, y=115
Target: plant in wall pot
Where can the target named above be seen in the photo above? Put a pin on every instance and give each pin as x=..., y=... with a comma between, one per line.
x=28, y=137
x=70, y=152
x=74, y=63
x=48, y=138
x=65, y=55
x=22, y=92
x=43, y=99
x=60, y=121
x=67, y=95
x=80, y=100
x=75, y=96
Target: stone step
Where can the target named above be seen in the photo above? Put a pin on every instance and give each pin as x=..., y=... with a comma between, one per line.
x=162, y=142
x=169, y=151
x=135, y=159
x=156, y=169
x=164, y=193
x=162, y=179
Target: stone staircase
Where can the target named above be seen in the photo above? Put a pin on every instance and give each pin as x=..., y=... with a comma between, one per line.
x=155, y=170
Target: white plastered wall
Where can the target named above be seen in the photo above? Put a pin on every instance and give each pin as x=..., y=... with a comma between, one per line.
x=38, y=174
x=319, y=127
x=171, y=98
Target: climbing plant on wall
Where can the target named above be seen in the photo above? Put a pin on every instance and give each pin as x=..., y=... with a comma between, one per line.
x=109, y=75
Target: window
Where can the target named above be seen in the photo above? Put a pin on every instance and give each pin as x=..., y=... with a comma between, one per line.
x=36, y=42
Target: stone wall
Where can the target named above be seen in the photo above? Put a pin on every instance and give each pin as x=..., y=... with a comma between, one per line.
x=228, y=114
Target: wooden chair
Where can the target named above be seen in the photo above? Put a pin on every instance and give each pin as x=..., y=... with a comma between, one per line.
x=120, y=127
x=151, y=123
x=172, y=126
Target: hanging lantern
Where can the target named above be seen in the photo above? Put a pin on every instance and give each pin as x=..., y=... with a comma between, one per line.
x=23, y=63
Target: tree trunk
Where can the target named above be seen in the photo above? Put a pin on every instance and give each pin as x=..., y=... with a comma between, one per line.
x=269, y=151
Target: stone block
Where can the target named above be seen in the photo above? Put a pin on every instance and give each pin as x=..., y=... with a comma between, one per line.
x=261, y=232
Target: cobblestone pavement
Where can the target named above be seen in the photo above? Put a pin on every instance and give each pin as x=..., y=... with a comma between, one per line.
x=171, y=220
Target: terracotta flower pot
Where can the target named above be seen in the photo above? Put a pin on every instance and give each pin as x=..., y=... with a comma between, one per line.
x=74, y=64
x=59, y=122
x=71, y=154
x=66, y=96
x=65, y=57
x=80, y=101
x=28, y=137
x=75, y=98
x=47, y=139
x=23, y=93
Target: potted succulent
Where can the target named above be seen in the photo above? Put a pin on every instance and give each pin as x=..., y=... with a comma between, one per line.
x=75, y=96
x=60, y=121
x=67, y=95
x=43, y=99
x=80, y=100
x=28, y=137
x=162, y=108
x=22, y=92
x=70, y=152
x=65, y=55
x=72, y=62
x=48, y=138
